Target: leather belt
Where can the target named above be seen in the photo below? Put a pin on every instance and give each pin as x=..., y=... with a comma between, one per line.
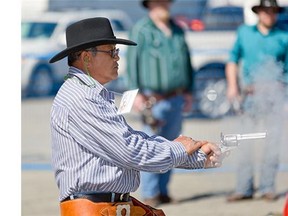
x=101, y=197
x=162, y=96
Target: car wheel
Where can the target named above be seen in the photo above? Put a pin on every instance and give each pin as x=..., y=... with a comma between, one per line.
x=210, y=91
x=41, y=82
x=213, y=102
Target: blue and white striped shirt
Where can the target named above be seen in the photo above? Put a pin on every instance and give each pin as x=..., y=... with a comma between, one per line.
x=94, y=149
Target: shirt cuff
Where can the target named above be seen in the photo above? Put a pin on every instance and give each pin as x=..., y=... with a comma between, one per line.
x=195, y=161
x=178, y=153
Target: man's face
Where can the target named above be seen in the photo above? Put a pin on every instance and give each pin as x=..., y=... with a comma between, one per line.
x=103, y=66
x=161, y=8
x=267, y=16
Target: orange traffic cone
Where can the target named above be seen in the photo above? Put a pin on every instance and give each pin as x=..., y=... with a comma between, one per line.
x=285, y=212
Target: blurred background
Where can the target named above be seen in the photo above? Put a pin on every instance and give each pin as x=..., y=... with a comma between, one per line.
x=210, y=27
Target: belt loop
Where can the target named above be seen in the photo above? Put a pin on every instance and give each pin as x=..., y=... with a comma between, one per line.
x=121, y=198
x=112, y=197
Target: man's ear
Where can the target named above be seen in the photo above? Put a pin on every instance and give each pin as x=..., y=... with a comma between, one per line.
x=86, y=59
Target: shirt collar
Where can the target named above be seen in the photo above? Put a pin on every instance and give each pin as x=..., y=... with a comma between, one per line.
x=90, y=82
x=84, y=78
x=270, y=31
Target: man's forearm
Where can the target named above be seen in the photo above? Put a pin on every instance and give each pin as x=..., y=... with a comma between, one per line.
x=231, y=74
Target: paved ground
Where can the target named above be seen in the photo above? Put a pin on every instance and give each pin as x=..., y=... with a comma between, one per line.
x=201, y=192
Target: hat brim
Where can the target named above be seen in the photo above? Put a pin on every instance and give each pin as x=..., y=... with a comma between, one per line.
x=256, y=8
x=144, y=3
x=87, y=45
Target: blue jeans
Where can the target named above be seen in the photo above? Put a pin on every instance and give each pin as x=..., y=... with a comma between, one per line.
x=170, y=112
x=262, y=114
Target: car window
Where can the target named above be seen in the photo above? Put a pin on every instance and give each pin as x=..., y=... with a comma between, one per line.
x=223, y=18
x=117, y=25
x=32, y=30
x=282, y=20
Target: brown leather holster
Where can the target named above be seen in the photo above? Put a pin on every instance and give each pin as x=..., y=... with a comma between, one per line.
x=85, y=207
x=149, y=211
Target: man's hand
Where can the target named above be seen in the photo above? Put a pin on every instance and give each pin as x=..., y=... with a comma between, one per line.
x=232, y=93
x=190, y=145
x=214, y=155
x=139, y=103
x=213, y=152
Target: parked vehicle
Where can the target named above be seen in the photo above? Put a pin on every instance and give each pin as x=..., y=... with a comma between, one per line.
x=43, y=35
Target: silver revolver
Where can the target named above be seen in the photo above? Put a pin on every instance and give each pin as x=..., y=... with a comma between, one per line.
x=231, y=141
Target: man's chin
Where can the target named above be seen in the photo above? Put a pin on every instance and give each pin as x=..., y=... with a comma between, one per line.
x=115, y=76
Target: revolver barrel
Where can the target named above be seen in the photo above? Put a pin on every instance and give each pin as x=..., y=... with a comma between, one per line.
x=232, y=139
x=251, y=136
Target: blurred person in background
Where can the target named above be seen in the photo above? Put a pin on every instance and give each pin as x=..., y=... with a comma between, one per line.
x=161, y=69
x=263, y=51
x=96, y=156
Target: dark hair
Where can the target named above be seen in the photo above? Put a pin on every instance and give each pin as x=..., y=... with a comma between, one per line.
x=72, y=57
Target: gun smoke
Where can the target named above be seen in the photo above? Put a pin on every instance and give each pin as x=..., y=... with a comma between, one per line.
x=263, y=111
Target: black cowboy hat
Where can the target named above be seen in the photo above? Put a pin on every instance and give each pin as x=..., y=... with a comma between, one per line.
x=88, y=33
x=145, y=2
x=267, y=4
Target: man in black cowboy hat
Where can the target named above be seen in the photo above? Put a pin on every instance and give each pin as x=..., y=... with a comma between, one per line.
x=263, y=51
x=97, y=157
